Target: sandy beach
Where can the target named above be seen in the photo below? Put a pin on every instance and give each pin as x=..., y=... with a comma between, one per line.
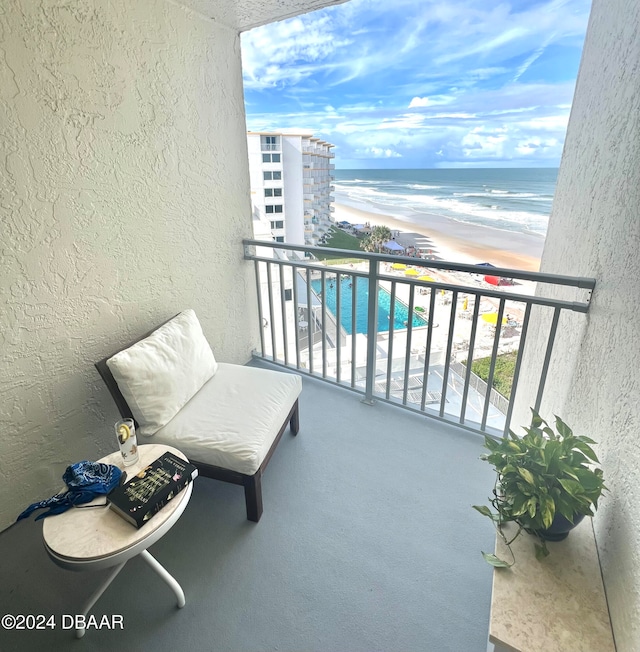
x=456, y=241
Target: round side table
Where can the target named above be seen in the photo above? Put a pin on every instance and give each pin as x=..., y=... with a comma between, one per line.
x=91, y=539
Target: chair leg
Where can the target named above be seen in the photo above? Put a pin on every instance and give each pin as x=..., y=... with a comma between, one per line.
x=253, y=496
x=295, y=420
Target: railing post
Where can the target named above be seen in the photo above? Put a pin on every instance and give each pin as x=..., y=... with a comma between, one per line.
x=372, y=331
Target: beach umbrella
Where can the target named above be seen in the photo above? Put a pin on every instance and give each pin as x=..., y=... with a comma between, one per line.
x=398, y=266
x=411, y=272
x=427, y=278
x=493, y=280
x=492, y=318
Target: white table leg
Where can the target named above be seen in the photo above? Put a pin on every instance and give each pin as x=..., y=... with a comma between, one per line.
x=94, y=597
x=169, y=579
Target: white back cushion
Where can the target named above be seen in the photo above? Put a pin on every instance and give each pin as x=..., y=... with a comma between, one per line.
x=159, y=374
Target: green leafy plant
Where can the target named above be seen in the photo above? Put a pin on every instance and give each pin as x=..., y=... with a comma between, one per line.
x=379, y=235
x=539, y=475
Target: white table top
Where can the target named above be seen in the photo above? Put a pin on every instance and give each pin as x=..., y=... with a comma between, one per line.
x=79, y=537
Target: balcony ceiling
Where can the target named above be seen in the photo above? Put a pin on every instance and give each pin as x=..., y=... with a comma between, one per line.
x=246, y=14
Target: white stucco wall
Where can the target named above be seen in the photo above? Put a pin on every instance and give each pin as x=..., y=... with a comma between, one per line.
x=594, y=230
x=124, y=197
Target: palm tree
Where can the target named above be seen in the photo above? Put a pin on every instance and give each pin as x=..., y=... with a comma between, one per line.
x=379, y=235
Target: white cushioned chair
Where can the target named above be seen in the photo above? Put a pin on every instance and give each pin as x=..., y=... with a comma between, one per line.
x=226, y=418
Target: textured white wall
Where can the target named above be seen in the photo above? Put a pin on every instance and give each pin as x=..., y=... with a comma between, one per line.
x=124, y=197
x=594, y=230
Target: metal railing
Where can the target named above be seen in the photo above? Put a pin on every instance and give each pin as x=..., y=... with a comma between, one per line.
x=405, y=330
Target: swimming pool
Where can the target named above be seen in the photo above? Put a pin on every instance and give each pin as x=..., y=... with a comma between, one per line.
x=400, y=315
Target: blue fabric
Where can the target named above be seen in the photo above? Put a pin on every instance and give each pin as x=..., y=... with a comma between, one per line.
x=85, y=481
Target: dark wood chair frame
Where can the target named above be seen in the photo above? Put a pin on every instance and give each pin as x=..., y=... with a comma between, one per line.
x=252, y=483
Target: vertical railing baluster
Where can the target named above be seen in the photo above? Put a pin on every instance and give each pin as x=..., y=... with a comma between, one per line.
x=547, y=358
x=283, y=304
x=296, y=313
x=427, y=351
x=472, y=343
x=391, y=334
x=260, y=311
x=338, y=330
x=407, y=353
x=516, y=372
x=274, y=355
x=372, y=331
x=447, y=360
x=324, y=323
x=310, y=322
x=492, y=366
x=353, y=330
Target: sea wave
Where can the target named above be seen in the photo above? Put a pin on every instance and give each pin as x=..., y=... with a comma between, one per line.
x=461, y=211
x=520, y=205
x=422, y=186
x=506, y=194
x=370, y=182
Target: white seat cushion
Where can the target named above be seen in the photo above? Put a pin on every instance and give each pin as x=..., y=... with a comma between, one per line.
x=234, y=418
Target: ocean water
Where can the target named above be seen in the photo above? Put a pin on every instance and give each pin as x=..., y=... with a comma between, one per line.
x=514, y=199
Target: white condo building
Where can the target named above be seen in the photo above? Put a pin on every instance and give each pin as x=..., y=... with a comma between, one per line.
x=291, y=178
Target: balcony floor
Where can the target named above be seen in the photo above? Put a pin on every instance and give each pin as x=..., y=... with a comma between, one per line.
x=367, y=542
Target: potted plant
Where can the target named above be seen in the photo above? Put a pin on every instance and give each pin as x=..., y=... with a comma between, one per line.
x=546, y=483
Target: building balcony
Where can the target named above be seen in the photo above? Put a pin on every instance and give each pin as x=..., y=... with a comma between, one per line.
x=367, y=538
x=361, y=503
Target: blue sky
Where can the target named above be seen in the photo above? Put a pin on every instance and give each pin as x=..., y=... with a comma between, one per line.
x=421, y=83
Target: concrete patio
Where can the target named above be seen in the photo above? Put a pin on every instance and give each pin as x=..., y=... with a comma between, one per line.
x=368, y=542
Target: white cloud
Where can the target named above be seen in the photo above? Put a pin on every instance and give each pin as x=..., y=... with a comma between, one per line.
x=455, y=116
x=548, y=123
x=407, y=121
x=419, y=101
x=280, y=53
x=536, y=145
x=377, y=152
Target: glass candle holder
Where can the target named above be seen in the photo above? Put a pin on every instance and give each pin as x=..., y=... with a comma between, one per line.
x=126, y=434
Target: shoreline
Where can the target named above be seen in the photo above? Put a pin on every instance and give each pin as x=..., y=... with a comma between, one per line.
x=456, y=241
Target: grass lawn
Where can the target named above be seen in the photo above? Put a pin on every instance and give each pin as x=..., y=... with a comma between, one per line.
x=338, y=239
x=503, y=373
